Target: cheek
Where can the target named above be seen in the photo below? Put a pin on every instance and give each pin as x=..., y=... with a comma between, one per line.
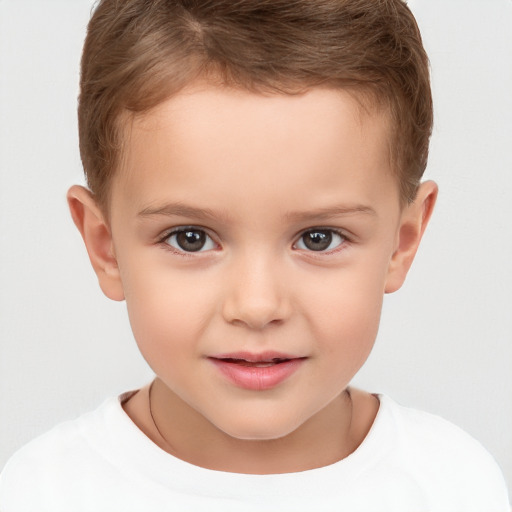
x=345, y=311
x=167, y=309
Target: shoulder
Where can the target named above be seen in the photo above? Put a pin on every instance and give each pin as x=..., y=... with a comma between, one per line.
x=60, y=457
x=420, y=430
x=443, y=455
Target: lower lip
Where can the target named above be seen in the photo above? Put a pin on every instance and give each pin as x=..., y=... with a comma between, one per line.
x=257, y=377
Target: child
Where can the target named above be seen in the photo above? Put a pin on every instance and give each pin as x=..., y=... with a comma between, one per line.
x=254, y=172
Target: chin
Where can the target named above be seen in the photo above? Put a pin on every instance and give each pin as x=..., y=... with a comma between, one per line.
x=261, y=429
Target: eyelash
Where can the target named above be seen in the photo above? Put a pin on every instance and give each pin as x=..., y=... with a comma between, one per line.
x=164, y=240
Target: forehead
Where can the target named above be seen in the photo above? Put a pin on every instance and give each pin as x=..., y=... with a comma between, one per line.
x=217, y=100
x=238, y=141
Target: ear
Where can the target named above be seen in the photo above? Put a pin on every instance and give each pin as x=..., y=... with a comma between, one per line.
x=414, y=220
x=95, y=231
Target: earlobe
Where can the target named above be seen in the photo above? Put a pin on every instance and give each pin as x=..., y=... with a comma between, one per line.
x=95, y=232
x=414, y=220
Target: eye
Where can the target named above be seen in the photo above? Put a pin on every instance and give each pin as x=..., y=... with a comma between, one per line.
x=189, y=240
x=320, y=240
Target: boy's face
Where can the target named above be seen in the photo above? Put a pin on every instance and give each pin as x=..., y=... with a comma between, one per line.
x=257, y=227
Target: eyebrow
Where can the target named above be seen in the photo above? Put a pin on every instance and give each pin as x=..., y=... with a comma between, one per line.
x=328, y=213
x=180, y=210
x=184, y=210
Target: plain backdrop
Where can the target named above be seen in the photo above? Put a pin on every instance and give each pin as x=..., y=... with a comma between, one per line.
x=445, y=343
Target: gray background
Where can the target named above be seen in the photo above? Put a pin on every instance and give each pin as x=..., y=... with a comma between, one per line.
x=445, y=343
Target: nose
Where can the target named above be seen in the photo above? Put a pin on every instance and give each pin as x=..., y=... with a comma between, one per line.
x=257, y=293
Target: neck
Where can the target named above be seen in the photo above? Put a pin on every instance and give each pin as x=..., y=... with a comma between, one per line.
x=325, y=438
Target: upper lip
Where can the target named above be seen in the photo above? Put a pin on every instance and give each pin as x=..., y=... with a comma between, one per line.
x=262, y=357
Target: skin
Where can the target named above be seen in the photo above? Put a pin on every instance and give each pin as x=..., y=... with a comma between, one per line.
x=266, y=169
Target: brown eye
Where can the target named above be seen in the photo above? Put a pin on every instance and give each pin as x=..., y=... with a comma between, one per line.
x=320, y=240
x=190, y=240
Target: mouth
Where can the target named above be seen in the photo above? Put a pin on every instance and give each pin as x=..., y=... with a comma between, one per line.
x=255, y=364
x=257, y=371
x=268, y=358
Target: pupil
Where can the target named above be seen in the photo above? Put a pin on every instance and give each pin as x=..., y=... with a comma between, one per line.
x=318, y=240
x=191, y=240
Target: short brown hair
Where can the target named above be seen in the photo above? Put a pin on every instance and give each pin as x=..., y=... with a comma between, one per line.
x=137, y=53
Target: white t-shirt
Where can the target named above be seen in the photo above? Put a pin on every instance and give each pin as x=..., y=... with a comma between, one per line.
x=410, y=461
